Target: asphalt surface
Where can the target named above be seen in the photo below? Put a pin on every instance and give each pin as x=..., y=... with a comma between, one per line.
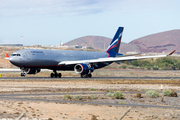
x=72, y=78
x=14, y=97
x=64, y=78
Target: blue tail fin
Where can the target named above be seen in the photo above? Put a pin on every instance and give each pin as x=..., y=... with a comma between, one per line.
x=113, y=49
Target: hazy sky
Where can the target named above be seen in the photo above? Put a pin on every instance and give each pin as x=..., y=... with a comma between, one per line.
x=51, y=21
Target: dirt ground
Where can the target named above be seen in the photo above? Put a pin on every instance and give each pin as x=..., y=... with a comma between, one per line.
x=48, y=110
x=58, y=111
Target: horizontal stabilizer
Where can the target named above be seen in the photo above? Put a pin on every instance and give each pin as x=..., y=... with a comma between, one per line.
x=172, y=52
x=7, y=56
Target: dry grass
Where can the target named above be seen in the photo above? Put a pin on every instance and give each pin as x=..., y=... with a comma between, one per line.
x=98, y=81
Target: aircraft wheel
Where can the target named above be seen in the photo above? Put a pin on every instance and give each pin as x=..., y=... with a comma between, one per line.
x=89, y=75
x=84, y=75
x=59, y=75
x=56, y=75
x=52, y=75
x=23, y=74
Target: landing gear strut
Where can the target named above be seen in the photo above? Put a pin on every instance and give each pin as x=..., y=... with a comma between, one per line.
x=23, y=74
x=55, y=74
x=86, y=75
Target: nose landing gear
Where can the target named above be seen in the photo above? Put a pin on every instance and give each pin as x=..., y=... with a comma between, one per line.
x=55, y=74
x=23, y=74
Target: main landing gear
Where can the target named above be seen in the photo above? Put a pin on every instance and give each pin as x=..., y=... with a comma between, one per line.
x=86, y=75
x=55, y=74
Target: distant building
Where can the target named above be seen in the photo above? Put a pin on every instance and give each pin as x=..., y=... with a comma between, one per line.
x=36, y=45
x=84, y=47
x=10, y=44
x=78, y=46
x=75, y=46
x=131, y=53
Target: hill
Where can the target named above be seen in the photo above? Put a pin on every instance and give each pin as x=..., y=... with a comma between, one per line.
x=97, y=42
x=159, y=42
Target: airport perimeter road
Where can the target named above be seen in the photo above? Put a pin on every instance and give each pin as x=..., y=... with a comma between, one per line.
x=93, y=78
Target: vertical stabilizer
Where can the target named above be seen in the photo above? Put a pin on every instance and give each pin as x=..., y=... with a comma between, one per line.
x=115, y=43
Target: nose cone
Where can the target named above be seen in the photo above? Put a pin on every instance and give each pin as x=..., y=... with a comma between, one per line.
x=11, y=60
x=14, y=60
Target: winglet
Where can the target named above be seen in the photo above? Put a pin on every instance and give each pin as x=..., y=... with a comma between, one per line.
x=7, y=56
x=171, y=52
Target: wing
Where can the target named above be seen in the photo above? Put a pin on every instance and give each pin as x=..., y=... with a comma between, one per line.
x=111, y=59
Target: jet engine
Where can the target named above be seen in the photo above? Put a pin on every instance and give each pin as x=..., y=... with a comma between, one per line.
x=31, y=70
x=83, y=68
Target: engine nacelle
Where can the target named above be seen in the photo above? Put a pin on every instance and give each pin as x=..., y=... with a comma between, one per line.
x=83, y=68
x=31, y=70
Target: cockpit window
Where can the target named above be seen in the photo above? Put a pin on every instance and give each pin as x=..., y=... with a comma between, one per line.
x=15, y=55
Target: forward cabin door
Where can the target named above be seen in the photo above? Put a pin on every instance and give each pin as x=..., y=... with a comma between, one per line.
x=28, y=55
x=51, y=56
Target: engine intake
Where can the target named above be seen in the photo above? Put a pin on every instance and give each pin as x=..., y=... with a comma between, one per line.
x=83, y=68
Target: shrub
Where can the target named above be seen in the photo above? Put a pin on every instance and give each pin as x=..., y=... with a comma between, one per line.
x=122, y=102
x=92, y=97
x=170, y=93
x=160, y=68
x=110, y=91
x=118, y=95
x=93, y=117
x=139, y=90
x=167, y=93
x=155, y=68
x=109, y=94
x=92, y=89
x=131, y=67
x=124, y=66
x=152, y=93
x=149, y=68
x=67, y=96
x=78, y=97
x=146, y=90
x=174, y=94
x=138, y=95
x=131, y=73
x=166, y=63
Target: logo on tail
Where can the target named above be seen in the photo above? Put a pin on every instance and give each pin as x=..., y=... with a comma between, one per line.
x=115, y=43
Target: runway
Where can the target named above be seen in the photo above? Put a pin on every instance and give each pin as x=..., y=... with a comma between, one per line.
x=25, y=98
x=93, y=78
x=71, y=78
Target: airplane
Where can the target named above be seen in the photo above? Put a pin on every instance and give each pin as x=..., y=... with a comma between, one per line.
x=31, y=61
